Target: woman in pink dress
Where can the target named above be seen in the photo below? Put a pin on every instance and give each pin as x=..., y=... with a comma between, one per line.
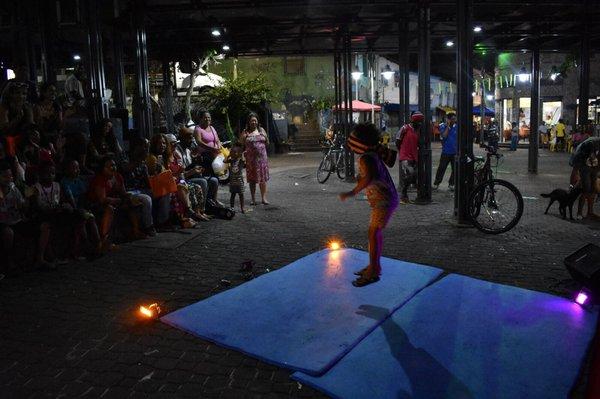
x=206, y=136
x=255, y=140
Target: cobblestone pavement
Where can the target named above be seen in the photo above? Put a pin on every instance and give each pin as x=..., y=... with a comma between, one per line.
x=73, y=332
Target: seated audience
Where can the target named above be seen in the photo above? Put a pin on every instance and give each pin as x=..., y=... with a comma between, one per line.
x=107, y=196
x=13, y=222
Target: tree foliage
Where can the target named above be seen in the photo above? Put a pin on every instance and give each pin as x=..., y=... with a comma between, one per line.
x=236, y=98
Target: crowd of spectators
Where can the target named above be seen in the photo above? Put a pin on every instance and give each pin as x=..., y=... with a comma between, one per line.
x=57, y=185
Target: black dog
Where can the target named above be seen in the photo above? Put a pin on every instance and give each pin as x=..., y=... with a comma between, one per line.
x=565, y=199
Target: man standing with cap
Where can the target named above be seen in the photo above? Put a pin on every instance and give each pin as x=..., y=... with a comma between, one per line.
x=448, y=134
x=407, y=142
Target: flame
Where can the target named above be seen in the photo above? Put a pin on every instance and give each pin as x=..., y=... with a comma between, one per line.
x=149, y=311
x=334, y=245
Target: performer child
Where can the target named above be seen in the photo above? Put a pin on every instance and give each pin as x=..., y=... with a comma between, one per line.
x=375, y=179
x=236, y=177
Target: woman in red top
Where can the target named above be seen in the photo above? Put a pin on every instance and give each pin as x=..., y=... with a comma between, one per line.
x=107, y=195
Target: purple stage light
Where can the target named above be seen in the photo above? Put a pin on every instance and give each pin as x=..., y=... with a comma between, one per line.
x=582, y=298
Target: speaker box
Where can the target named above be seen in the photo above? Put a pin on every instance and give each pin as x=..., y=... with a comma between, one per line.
x=584, y=266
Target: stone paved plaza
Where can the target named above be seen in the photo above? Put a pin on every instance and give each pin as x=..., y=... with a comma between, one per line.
x=74, y=333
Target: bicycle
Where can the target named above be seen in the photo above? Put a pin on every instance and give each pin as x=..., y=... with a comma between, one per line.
x=334, y=159
x=495, y=206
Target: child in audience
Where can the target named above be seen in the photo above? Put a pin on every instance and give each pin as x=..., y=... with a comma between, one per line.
x=75, y=187
x=13, y=222
x=57, y=207
x=236, y=176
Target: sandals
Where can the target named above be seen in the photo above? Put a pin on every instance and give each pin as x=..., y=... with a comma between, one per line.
x=361, y=271
x=363, y=281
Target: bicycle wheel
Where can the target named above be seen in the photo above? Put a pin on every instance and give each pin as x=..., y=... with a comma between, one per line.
x=324, y=169
x=341, y=165
x=495, y=206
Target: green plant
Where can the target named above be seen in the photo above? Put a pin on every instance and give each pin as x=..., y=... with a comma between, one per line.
x=322, y=103
x=236, y=98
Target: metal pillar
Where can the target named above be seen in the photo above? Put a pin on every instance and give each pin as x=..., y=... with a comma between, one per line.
x=424, y=163
x=584, y=77
x=26, y=34
x=120, y=93
x=348, y=105
x=98, y=106
x=142, y=112
x=372, y=83
x=48, y=23
x=482, y=108
x=168, y=96
x=464, y=77
x=337, y=88
x=534, y=119
x=403, y=78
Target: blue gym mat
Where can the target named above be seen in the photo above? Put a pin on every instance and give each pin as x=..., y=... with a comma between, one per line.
x=303, y=316
x=466, y=338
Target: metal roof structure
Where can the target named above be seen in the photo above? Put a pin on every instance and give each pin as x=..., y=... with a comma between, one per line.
x=271, y=27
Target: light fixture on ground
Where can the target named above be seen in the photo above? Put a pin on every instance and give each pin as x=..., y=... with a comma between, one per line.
x=582, y=297
x=150, y=311
x=226, y=47
x=77, y=57
x=334, y=245
x=449, y=43
x=216, y=33
x=523, y=75
x=387, y=72
x=477, y=29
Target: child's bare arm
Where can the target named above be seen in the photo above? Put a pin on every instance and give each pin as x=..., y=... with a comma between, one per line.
x=364, y=179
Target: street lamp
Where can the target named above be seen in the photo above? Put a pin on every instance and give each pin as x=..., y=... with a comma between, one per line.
x=216, y=33
x=226, y=47
x=356, y=75
x=523, y=75
x=554, y=73
x=387, y=72
x=477, y=29
x=449, y=43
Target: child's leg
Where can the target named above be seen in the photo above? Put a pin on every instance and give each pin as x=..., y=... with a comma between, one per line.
x=232, y=200
x=93, y=234
x=106, y=222
x=241, y=195
x=80, y=236
x=375, y=249
x=253, y=192
x=43, y=244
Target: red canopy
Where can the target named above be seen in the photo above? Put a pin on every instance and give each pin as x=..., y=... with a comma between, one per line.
x=359, y=106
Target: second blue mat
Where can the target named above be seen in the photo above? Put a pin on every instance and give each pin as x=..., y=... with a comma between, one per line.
x=466, y=338
x=303, y=316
